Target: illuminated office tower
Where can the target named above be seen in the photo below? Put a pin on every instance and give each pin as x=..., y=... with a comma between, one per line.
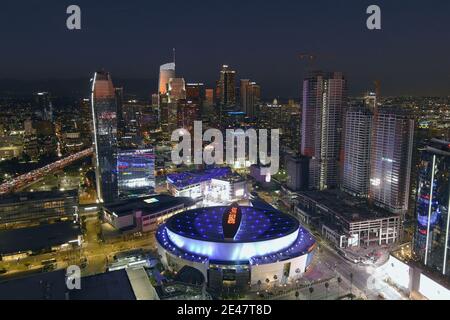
x=136, y=172
x=120, y=120
x=176, y=92
x=357, y=134
x=187, y=113
x=164, y=112
x=195, y=92
x=209, y=97
x=226, y=88
x=42, y=106
x=104, y=112
x=244, y=83
x=324, y=99
x=176, y=89
x=390, y=160
x=431, y=241
x=250, y=97
x=166, y=72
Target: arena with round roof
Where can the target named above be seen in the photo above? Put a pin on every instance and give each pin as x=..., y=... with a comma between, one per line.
x=236, y=245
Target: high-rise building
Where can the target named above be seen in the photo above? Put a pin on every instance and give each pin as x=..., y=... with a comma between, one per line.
x=195, y=92
x=298, y=173
x=120, y=120
x=390, y=161
x=187, y=113
x=176, y=89
x=357, y=135
x=324, y=99
x=136, y=172
x=250, y=94
x=166, y=72
x=432, y=236
x=42, y=106
x=209, y=97
x=226, y=87
x=104, y=112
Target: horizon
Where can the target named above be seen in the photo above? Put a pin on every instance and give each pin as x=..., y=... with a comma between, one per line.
x=132, y=41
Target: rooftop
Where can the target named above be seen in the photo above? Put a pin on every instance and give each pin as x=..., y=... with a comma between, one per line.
x=114, y=285
x=258, y=223
x=36, y=196
x=148, y=205
x=184, y=179
x=350, y=208
x=41, y=286
x=38, y=238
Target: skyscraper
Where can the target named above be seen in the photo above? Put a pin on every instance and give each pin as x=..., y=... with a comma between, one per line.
x=357, y=135
x=195, y=92
x=176, y=93
x=431, y=241
x=176, y=89
x=42, y=106
x=226, y=87
x=166, y=71
x=209, y=97
x=136, y=172
x=104, y=112
x=324, y=99
x=250, y=97
x=298, y=173
x=390, y=163
x=120, y=120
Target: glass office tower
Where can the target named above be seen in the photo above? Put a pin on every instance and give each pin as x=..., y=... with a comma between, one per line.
x=104, y=112
x=136, y=172
x=431, y=241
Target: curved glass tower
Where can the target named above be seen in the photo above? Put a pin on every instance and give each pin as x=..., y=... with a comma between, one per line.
x=166, y=71
x=104, y=113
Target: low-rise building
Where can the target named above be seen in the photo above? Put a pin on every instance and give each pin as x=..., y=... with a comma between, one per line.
x=214, y=184
x=347, y=221
x=43, y=206
x=143, y=214
x=21, y=242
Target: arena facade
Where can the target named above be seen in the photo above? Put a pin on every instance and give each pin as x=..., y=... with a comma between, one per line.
x=238, y=246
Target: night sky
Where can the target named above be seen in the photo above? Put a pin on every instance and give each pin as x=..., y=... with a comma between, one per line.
x=261, y=40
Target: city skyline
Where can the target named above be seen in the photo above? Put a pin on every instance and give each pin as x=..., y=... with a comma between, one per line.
x=241, y=151
x=394, y=55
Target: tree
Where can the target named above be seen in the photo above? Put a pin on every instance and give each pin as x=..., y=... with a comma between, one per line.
x=339, y=280
x=327, y=285
x=311, y=290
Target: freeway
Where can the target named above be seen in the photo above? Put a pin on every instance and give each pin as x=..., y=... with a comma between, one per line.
x=26, y=179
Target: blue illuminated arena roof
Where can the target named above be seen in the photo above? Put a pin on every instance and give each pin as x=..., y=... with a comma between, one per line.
x=257, y=224
x=235, y=235
x=184, y=179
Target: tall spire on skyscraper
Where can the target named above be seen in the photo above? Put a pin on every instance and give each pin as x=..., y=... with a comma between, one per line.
x=174, y=55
